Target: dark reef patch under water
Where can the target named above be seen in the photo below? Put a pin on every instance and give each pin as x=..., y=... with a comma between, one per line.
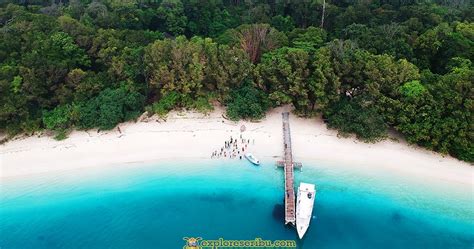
x=397, y=217
x=278, y=212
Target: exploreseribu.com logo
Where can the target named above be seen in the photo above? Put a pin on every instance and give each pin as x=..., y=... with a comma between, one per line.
x=199, y=243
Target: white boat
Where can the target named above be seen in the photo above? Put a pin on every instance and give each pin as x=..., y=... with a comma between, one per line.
x=304, y=207
x=252, y=158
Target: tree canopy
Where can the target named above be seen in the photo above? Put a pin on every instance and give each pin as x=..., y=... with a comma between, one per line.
x=365, y=66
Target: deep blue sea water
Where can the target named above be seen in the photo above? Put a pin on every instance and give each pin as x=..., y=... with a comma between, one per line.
x=156, y=205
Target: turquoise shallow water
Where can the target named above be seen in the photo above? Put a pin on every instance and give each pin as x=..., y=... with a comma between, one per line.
x=154, y=206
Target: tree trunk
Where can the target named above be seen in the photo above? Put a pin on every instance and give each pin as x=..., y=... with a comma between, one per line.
x=324, y=12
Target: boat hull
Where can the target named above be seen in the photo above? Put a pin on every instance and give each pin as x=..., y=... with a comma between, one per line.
x=304, y=207
x=252, y=159
x=302, y=228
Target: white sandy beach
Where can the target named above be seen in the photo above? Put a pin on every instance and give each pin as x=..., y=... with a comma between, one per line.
x=194, y=136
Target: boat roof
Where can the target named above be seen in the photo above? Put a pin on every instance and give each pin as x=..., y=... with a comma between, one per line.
x=306, y=186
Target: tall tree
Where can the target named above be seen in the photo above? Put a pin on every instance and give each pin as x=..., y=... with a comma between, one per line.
x=171, y=12
x=284, y=73
x=256, y=39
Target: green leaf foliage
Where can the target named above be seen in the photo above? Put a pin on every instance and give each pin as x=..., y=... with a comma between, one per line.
x=109, y=108
x=247, y=102
x=352, y=117
x=167, y=103
x=412, y=89
x=59, y=118
x=366, y=66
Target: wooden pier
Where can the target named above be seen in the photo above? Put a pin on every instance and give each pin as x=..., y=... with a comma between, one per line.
x=288, y=165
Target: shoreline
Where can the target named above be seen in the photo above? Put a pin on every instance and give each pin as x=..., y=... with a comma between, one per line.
x=191, y=135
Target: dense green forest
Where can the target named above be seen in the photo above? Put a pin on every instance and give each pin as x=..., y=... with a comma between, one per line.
x=366, y=65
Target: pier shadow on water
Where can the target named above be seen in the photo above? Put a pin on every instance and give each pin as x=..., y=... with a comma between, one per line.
x=278, y=212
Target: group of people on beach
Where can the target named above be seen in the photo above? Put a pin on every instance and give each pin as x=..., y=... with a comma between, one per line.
x=233, y=148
